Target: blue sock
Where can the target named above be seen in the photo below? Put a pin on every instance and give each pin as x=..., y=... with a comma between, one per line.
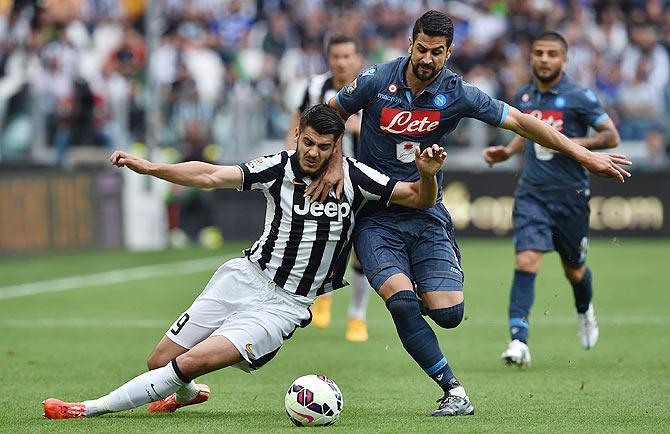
x=583, y=292
x=520, y=301
x=418, y=338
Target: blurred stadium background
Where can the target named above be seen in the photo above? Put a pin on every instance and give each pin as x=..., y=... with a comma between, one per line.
x=216, y=80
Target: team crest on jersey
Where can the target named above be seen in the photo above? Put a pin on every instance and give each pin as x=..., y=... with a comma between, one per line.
x=393, y=88
x=552, y=117
x=414, y=122
x=440, y=100
x=560, y=102
x=351, y=87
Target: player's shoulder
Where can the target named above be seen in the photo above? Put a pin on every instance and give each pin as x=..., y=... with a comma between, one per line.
x=383, y=71
x=577, y=92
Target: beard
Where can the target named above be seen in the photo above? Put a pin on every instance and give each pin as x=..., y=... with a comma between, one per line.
x=423, y=74
x=549, y=78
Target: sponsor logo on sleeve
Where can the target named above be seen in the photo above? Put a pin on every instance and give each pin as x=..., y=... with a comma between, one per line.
x=369, y=71
x=415, y=122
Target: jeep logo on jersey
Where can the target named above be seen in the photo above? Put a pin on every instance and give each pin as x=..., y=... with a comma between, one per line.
x=551, y=117
x=414, y=122
x=329, y=210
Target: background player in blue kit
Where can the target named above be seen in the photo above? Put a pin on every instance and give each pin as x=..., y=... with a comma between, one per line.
x=413, y=101
x=551, y=210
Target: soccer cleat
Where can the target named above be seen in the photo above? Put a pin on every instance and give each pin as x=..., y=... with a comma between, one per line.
x=588, y=328
x=170, y=404
x=57, y=409
x=454, y=403
x=321, y=312
x=517, y=353
x=357, y=330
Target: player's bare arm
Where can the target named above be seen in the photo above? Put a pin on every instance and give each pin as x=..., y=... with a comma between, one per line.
x=498, y=154
x=190, y=174
x=423, y=192
x=605, y=165
x=606, y=137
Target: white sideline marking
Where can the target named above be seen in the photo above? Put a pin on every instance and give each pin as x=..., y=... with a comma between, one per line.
x=111, y=277
x=162, y=323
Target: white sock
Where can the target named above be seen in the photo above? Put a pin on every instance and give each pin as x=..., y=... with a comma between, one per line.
x=360, y=294
x=143, y=389
x=188, y=392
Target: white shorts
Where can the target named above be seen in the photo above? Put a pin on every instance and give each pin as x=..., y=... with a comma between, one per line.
x=241, y=303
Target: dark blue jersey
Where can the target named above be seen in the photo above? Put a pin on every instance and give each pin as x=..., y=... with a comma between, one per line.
x=394, y=122
x=569, y=108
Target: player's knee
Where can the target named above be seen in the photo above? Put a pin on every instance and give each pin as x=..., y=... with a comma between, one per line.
x=404, y=307
x=447, y=317
x=575, y=275
x=528, y=262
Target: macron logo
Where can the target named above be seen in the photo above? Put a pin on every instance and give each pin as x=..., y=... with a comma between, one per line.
x=409, y=122
x=329, y=210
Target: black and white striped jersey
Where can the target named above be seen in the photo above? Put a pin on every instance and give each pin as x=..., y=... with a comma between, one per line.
x=304, y=247
x=320, y=89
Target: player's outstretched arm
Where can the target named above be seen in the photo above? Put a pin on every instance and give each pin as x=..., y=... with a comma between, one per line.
x=606, y=165
x=497, y=154
x=190, y=174
x=423, y=192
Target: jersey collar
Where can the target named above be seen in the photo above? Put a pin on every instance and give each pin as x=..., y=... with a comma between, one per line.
x=555, y=89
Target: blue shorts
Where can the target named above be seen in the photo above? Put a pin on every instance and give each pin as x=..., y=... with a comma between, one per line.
x=416, y=245
x=556, y=220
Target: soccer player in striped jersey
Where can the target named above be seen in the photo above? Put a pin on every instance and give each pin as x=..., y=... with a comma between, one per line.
x=344, y=63
x=252, y=304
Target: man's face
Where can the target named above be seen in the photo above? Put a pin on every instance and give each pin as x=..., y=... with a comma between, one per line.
x=428, y=55
x=314, y=150
x=548, y=59
x=344, y=61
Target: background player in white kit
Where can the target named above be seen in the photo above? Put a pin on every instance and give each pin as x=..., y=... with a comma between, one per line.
x=252, y=304
x=344, y=64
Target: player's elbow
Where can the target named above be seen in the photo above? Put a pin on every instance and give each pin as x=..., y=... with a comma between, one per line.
x=614, y=140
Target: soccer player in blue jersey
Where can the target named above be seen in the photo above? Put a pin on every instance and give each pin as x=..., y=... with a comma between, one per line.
x=551, y=206
x=413, y=101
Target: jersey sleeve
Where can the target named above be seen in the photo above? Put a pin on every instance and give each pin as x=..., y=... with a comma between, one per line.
x=354, y=96
x=262, y=172
x=483, y=107
x=370, y=184
x=588, y=107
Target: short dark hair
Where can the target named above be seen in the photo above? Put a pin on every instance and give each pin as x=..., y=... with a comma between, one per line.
x=323, y=119
x=341, y=39
x=434, y=23
x=552, y=36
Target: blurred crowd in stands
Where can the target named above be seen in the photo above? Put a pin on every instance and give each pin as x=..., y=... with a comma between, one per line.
x=229, y=72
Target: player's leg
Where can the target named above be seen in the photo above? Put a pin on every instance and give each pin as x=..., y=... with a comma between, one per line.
x=571, y=240
x=532, y=237
x=384, y=258
x=435, y=262
x=357, y=329
x=213, y=353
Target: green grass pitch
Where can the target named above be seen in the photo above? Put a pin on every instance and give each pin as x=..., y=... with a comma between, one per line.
x=81, y=343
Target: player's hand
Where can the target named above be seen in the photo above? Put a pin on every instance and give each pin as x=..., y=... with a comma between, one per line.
x=495, y=154
x=607, y=165
x=430, y=160
x=132, y=162
x=320, y=187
